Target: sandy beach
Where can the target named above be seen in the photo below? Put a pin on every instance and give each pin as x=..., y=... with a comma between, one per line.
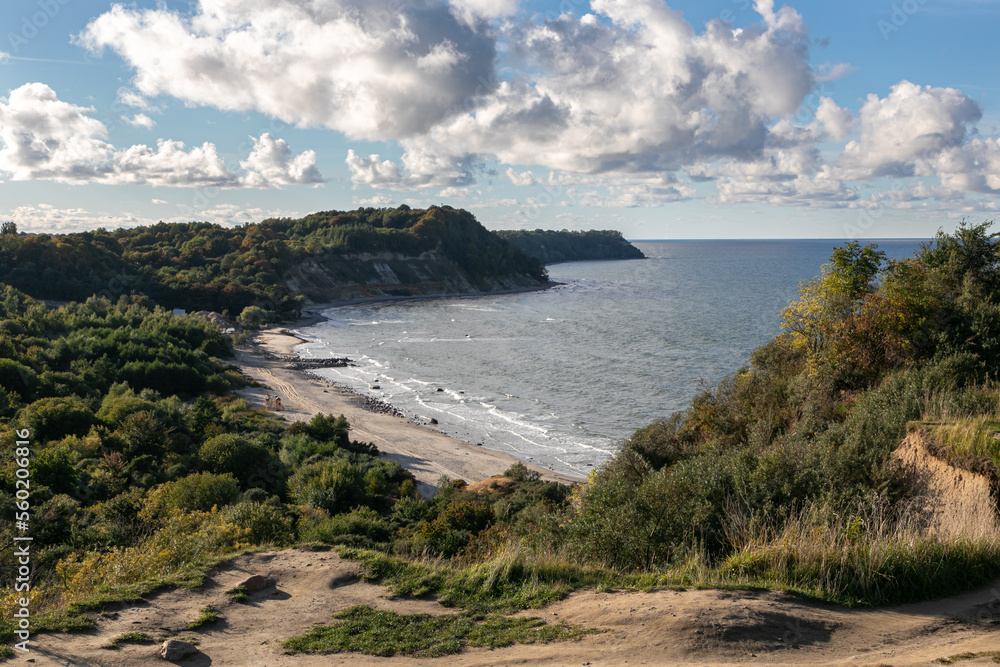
x=422, y=450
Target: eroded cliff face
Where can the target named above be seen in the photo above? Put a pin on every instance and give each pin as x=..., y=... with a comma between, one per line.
x=333, y=277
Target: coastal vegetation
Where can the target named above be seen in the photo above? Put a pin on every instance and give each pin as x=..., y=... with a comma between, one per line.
x=551, y=246
x=147, y=468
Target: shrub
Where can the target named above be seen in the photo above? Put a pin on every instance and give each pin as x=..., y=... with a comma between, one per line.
x=199, y=492
x=361, y=522
x=236, y=455
x=332, y=485
x=265, y=524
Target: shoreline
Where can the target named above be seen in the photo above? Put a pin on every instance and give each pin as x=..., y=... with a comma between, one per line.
x=312, y=314
x=421, y=449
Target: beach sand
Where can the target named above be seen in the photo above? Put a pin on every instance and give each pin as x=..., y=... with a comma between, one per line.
x=424, y=451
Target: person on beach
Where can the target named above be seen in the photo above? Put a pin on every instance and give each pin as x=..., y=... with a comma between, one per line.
x=267, y=401
x=277, y=402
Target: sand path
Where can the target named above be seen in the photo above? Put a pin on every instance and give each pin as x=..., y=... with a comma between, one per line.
x=670, y=627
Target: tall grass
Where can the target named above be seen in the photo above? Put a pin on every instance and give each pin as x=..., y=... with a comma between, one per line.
x=508, y=581
x=876, y=555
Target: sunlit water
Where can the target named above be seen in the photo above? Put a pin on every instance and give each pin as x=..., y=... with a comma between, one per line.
x=559, y=377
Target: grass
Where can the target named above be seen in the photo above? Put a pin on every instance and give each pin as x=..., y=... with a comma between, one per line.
x=238, y=594
x=206, y=615
x=872, y=556
x=503, y=584
x=385, y=633
x=972, y=443
x=128, y=638
x=970, y=656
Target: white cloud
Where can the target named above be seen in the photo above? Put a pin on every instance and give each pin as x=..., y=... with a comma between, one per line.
x=911, y=124
x=140, y=120
x=630, y=196
x=522, y=179
x=159, y=201
x=45, y=218
x=631, y=93
x=378, y=201
x=170, y=165
x=132, y=98
x=832, y=120
x=419, y=76
x=667, y=98
x=45, y=138
x=471, y=10
x=373, y=170
x=455, y=193
x=378, y=70
x=271, y=163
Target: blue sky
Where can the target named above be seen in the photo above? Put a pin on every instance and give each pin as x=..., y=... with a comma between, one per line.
x=725, y=119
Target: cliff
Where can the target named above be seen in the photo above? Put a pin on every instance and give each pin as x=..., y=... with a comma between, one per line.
x=335, y=277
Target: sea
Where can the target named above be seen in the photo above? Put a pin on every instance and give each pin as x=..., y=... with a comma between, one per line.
x=560, y=377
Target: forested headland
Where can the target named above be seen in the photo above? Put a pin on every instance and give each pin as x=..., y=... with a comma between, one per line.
x=271, y=266
x=146, y=467
x=551, y=247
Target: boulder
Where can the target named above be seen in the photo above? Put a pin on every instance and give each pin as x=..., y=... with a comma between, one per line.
x=254, y=583
x=175, y=649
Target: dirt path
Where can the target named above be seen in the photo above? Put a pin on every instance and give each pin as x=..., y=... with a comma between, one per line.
x=685, y=627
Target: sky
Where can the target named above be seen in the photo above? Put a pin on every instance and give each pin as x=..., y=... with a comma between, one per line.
x=689, y=119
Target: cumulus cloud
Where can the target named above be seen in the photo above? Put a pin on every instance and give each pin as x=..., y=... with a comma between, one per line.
x=374, y=69
x=911, y=124
x=423, y=77
x=373, y=170
x=140, y=120
x=45, y=138
x=271, y=163
x=523, y=178
x=631, y=94
x=132, y=98
x=831, y=120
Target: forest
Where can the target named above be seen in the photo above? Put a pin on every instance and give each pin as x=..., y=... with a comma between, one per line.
x=202, y=266
x=551, y=247
x=147, y=468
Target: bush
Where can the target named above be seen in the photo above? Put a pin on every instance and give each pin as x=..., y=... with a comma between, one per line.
x=361, y=526
x=332, y=485
x=455, y=526
x=238, y=456
x=265, y=524
x=199, y=492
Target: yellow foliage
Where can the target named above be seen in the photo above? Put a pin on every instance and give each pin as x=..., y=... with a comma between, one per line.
x=185, y=541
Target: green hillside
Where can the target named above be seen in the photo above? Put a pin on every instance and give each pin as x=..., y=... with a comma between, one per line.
x=202, y=266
